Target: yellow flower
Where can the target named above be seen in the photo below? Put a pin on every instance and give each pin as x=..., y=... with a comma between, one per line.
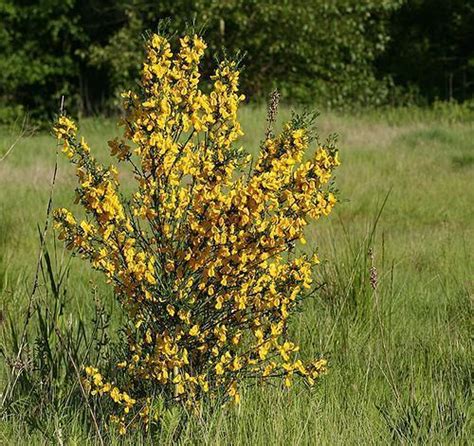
x=194, y=330
x=115, y=395
x=219, y=368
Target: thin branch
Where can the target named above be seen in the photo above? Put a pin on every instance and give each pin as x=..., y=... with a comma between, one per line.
x=22, y=134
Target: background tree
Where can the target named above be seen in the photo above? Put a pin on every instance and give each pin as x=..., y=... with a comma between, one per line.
x=431, y=49
x=340, y=53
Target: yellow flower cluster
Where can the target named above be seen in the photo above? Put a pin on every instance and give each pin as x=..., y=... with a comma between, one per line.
x=201, y=257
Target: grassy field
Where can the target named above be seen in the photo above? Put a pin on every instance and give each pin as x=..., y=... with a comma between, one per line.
x=400, y=358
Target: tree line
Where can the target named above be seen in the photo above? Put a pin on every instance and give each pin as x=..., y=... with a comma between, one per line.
x=332, y=53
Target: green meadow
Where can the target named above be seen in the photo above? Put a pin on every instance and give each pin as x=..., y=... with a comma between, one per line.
x=400, y=356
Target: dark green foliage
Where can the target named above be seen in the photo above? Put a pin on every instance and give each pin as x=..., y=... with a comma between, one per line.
x=331, y=53
x=37, y=42
x=311, y=50
x=43, y=48
x=431, y=49
x=314, y=50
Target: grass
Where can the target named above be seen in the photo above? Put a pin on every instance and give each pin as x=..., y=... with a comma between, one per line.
x=400, y=357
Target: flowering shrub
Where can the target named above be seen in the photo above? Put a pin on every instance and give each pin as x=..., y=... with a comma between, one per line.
x=201, y=256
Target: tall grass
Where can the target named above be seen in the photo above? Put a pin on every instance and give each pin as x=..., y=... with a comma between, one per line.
x=400, y=355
